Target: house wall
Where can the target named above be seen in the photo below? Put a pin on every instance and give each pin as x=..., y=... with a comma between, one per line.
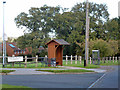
x=10, y=50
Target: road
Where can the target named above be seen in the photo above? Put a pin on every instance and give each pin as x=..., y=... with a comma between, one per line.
x=52, y=81
x=110, y=80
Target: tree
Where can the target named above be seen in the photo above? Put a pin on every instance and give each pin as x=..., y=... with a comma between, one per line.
x=38, y=19
x=111, y=29
x=33, y=40
x=106, y=48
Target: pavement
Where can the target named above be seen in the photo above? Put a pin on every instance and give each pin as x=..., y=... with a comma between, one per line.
x=31, y=71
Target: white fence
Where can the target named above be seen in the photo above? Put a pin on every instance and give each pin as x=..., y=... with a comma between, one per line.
x=79, y=59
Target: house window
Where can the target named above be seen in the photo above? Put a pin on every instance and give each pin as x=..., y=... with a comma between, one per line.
x=23, y=51
x=14, y=52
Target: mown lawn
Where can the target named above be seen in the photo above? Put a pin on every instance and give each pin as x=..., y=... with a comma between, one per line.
x=40, y=65
x=67, y=71
x=102, y=63
x=80, y=65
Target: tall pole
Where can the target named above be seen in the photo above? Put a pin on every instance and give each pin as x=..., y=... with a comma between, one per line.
x=87, y=35
x=3, y=36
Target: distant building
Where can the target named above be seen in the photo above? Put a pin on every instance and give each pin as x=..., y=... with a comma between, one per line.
x=12, y=49
x=40, y=49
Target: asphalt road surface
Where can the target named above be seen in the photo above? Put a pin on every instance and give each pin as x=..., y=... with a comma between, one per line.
x=52, y=81
x=109, y=80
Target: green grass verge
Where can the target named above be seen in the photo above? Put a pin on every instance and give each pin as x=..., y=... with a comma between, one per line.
x=67, y=71
x=102, y=63
x=12, y=86
x=80, y=65
x=40, y=65
x=6, y=71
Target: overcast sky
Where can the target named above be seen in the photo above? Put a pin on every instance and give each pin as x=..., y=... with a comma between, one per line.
x=15, y=7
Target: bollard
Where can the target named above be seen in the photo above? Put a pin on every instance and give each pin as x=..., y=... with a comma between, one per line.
x=76, y=59
x=36, y=60
x=66, y=59
x=71, y=59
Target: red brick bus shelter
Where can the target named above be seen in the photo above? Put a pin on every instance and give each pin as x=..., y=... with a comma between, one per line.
x=55, y=50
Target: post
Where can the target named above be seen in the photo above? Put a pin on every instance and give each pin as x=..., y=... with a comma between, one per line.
x=116, y=59
x=110, y=59
x=87, y=35
x=13, y=62
x=66, y=59
x=25, y=61
x=107, y=59
x=90, y=60
x=104, y=59
x=76, y=59
x=71, y=59
x=119, y=59
x=113, y=59
x=80, y=59
x=48, y=62
x=3, y=36
x=36, y=60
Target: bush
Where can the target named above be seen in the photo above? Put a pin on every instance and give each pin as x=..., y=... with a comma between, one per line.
x=106, y=48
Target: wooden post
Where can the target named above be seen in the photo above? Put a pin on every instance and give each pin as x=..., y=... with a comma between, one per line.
x=25, y=61
x=113, y=59
x=110, y=59
x=116, y=59
x=119, y=59
x=13, y=62
x=36, y=60
x=80, y=59
x=76, y=59
x=48, y=62
x=107, y=59
x=71, y=59
x=66, y=59
x=104, y=59
x=90, y=60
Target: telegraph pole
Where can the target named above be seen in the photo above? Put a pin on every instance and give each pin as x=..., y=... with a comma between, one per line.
x=86, y=36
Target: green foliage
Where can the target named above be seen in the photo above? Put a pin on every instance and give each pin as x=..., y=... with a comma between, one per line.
x=112, y=29
x=106, y=48
x=34, y=40
x=42, y=53
x=70, y=26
